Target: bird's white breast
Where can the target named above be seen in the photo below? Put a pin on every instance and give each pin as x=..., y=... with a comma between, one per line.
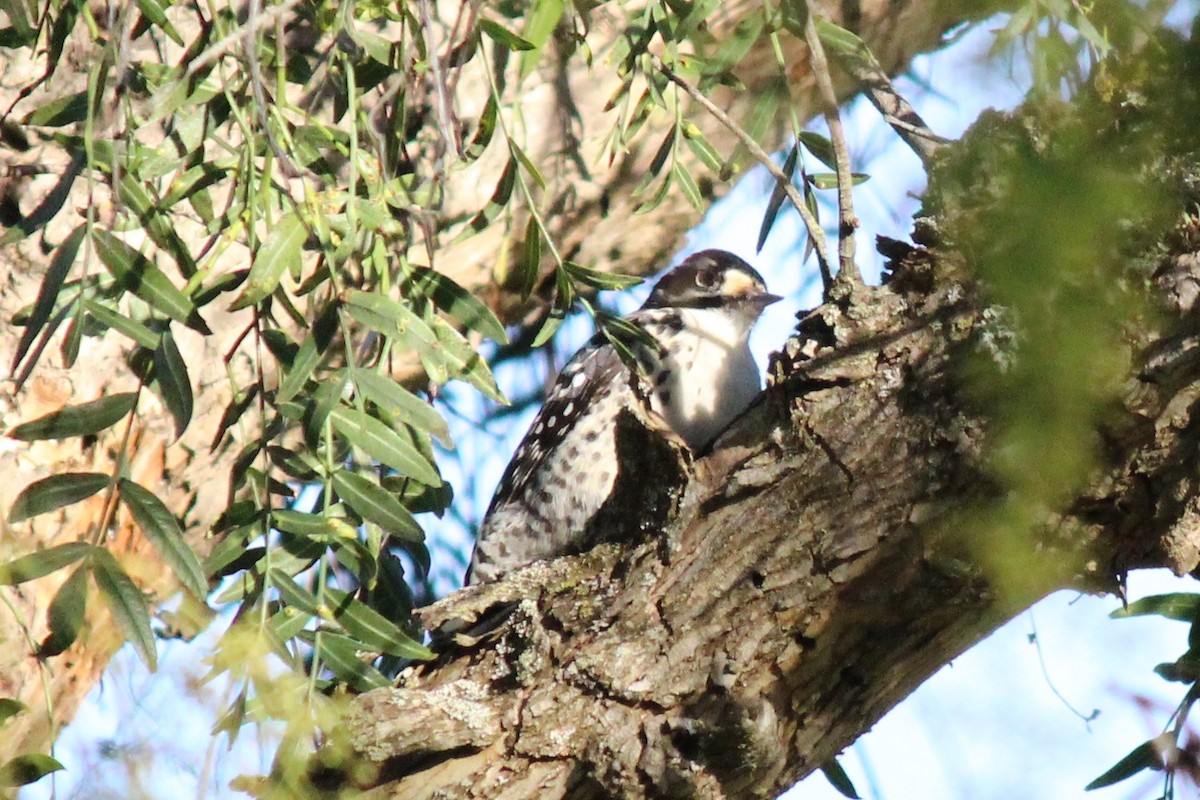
x=712, y=375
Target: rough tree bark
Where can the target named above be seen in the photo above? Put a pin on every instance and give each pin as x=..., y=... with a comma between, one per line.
x=822, y=564
x=592, y=215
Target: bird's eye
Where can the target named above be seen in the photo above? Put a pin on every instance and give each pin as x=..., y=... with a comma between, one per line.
x=708, y=279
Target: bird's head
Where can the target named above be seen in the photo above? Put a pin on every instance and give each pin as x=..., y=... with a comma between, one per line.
x=713, y=279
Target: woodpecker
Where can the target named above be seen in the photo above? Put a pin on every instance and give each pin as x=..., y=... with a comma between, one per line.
x=695, y=378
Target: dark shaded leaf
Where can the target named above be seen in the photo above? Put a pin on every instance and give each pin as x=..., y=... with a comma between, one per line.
x=839, y=779
x=43, y=306
x=54, y=492
x=778, y=195
x=1144, y=756
x=10, y=708
x=345, y=658
x=173, y=381
x=66, y=110
x=159, y=525
x=138, y=274
x=372, y=628
x=81, y=420
x=66, y=614
x=460, y=304
x=503, y=36
x=531, y=258
x=122, y=324
x=43, y=562
x=820, y=147
x=127, y=604
x=26, y=769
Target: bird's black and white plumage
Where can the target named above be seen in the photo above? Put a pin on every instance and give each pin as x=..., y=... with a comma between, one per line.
x=695, y=381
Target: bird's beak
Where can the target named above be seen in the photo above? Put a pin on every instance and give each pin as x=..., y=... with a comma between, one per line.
x=764, y=299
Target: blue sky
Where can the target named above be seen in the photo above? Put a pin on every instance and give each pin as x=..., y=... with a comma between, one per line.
x=990, y=725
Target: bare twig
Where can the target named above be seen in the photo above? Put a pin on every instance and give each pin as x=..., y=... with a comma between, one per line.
x=895, y=109
x=815, y=233
x=227, y=43
x=847, y=222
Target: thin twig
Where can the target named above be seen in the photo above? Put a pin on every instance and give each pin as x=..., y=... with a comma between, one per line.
x=228, y=42
x=896, y=111
x=815, y=233
x=847, y=222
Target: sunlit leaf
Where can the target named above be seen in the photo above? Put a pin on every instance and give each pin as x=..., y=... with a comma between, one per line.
x=344, y=657
x=399, y=402
x=139, y=275
x=383, y=444
x=10, y=707
x=55, y=492
x=122, y=324
x=281, y=251
x=35, y=565
x=459, y=303
x=373, y=629
x=159, y=525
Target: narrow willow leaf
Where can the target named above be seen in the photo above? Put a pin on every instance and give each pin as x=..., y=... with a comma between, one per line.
x=820, y=147
x=601, y=280
x=292, y=594
x=344, y=657
x=1183, y=606
x=499, y=199
x=66, y=110
x=1144, y=756
x=699, y=145
x=133, y=193
x=531, y=260
x=549, y=328
x=41, y=563
x=460, y=303
x=281, y=251
x=372, y=628
x=121, y=323
x=55, y=492
x=127, y=604
x=660, y=159
x=503, y=36
x=156, y=13
x=139, y=275
x=527, y=163
x=66, y=614
x=775, y=202
x=688, y=186
x=173, y=381
x=384, y=445
x=840, y=40
x=71, y=340
x=43, y=306
x=306, y=360
x=399, y=402
x=465, y=362
x=372, y=502
x=10, y=708
x=483, y=134
x=838, y=778
x=159, y=525
x=828, y=180
x=324, y=400
x=301, y=523
x=540, y=23
x=26, y=769
x=81, y=420
x=402, y=321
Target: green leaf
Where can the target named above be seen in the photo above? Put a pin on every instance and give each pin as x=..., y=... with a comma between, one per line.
x=687, y=185
x=41, y=563
x=383, y=444
x=463, y=360
x=527, y=164
x=1183, y=606
x=601, y=280
x=840, y=40
x=699, y=145
x=149, y=212
x=127, y=604
x=66, y=614
x=371, y=501
x=373, y=629
x=156, y=13
x=828, y=180
x=55, y=492
x=292, y=594
x=540, y=23
x=173, y=381
x=1144, y=756
x=820, y=147
x=159, y=525
x=301, y=523
x=135, y=272
x=343, y=656
x=43, y=306
x=280, y=252
x=66, y=110
x=121, y=323
x=10, y=708
x=499, y=199
x=778, y=195
x=483, y=134
x=306, y=360
x=531, y=260
x=459, y=303
x=839, y=779
x=503, y=36
x=28, y=768
x=81, y=420
x=396, y=401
